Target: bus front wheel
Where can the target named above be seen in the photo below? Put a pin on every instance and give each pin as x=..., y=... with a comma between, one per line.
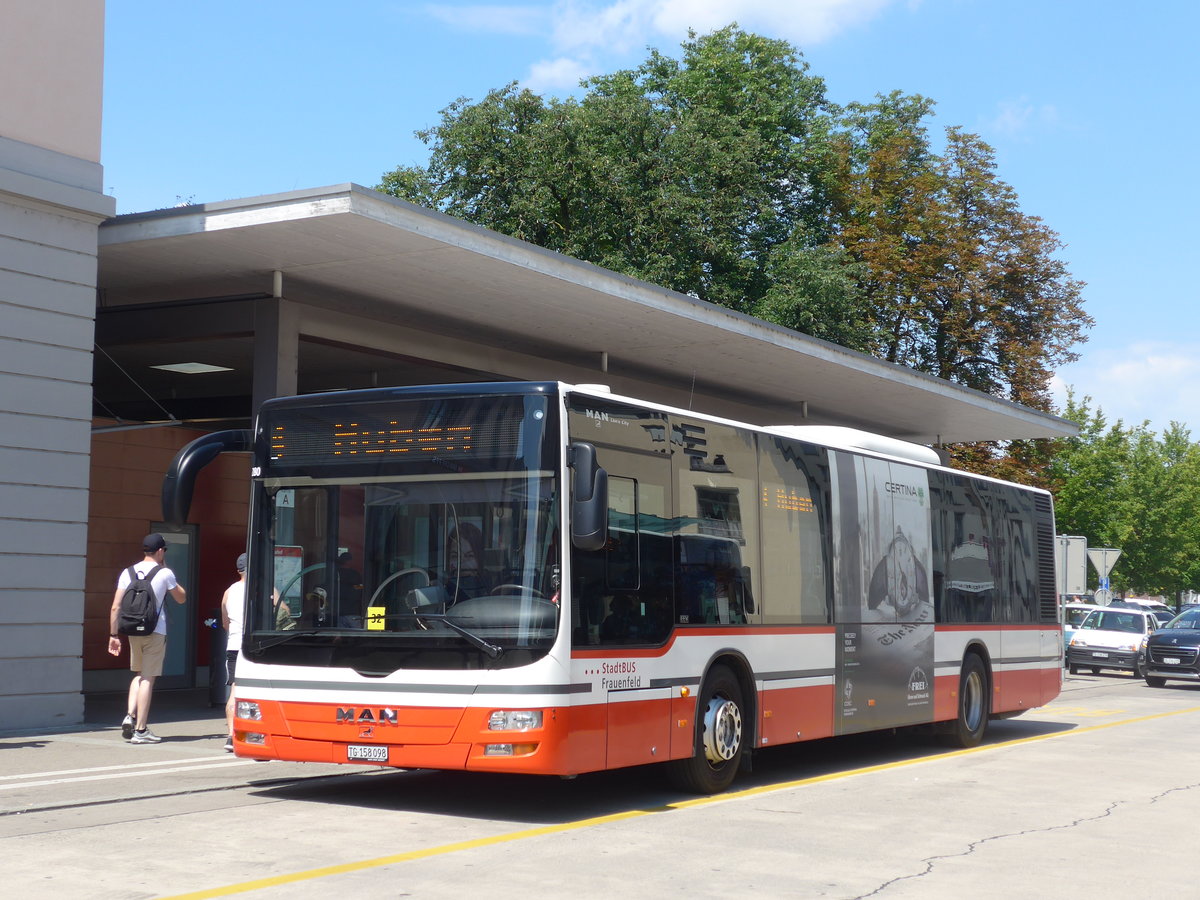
x=967, y=730
x=720, y=737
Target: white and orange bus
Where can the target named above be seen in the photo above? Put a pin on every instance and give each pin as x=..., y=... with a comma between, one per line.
x=552, y=579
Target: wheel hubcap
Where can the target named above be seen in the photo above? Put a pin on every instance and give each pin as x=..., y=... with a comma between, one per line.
x=722, y=730
x=973, y=701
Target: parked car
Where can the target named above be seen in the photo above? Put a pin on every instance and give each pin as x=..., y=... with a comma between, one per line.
x=1110, y=639
x=1173, y=652
x=1163, y=615
x=1139, y=603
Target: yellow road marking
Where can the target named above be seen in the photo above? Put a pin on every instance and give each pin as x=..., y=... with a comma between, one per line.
x=1079, y=711
x=444, y=849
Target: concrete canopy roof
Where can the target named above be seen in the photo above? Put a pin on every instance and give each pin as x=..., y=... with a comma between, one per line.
x=352, y=252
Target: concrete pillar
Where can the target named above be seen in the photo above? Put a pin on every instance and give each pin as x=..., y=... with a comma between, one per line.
x=276, y=349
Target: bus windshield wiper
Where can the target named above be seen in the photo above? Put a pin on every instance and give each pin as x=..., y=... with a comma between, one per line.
x=472, y=638
x=285, y=637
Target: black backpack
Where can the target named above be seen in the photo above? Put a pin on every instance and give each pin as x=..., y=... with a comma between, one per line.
x=139, y=609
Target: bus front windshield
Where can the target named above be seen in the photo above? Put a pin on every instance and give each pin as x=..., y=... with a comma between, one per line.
x=436, y=568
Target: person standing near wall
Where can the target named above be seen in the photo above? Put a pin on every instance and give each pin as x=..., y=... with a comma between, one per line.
x=146, y=652
x=233, y=607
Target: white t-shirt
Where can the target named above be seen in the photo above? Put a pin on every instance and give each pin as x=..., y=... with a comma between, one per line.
x=164, y=581
x=235, y=608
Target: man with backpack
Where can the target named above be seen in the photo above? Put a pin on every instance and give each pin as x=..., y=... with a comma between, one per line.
x=137, y=612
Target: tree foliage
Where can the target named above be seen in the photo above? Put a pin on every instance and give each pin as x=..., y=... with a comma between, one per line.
x=960, y=282
x=707, y=174
x=727, y=174
x=1127, y=488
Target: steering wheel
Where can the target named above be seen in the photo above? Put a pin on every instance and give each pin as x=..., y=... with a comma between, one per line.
x=502, y=589
x=395, y=576
x=287, y=587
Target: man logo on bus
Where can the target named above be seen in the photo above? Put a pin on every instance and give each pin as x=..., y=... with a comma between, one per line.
x=378, y=716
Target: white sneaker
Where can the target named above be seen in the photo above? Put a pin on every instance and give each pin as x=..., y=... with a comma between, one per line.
x=146, y=736
x=127, y=727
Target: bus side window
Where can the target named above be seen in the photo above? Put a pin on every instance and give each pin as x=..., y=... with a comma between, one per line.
x=793, y=587
x=716, y=521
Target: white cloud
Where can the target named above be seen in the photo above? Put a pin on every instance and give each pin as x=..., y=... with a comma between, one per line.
x=586, y=35
x=628, y=24
x=486, y=17
x=1156, y=382
x=1017, y=118
x=555, y=74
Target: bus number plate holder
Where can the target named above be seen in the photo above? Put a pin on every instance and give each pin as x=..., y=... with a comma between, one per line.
x=367, y=752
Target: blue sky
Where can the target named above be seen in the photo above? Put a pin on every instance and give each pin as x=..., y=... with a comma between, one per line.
x=1091, y=107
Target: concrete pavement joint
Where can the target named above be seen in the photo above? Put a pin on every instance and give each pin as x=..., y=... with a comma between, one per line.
x=931, y=861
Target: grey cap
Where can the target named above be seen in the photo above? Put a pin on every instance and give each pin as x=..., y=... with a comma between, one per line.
x=241, y=563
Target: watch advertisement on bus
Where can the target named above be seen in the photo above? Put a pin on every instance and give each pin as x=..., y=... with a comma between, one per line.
x=886, y=613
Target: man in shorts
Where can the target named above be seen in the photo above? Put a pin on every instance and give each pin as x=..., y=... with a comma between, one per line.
x=233, y=605
x=146, y=652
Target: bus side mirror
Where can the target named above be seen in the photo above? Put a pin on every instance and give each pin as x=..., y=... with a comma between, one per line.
x=589, y=498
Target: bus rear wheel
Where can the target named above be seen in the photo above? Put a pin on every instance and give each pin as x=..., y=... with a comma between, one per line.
x=968, y=729
x=720, y=737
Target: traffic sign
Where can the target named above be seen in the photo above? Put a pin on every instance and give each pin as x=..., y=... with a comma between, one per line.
x=1104, y=596
x=1103, y=559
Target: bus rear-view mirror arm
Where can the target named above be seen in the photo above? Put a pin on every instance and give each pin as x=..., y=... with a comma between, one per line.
x=589, y=498
x=180, y=480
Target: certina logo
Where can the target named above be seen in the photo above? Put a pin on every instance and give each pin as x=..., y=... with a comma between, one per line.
x=368, y=715
x=896, y=488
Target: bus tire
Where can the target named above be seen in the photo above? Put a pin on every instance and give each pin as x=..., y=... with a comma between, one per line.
x=968, y=728
x=1155, y=681
x=720, y=737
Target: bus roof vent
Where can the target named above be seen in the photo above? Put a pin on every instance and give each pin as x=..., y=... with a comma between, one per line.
x=853, y=439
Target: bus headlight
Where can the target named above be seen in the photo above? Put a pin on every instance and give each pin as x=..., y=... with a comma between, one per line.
x=248, y=709
x=515, y=720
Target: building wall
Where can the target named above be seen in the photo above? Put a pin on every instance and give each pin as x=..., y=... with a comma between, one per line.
x=51, y=57
x=126, y=500
x=51, y=206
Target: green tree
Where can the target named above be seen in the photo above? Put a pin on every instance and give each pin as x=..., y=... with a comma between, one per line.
x=726, y=174
x=961, y=283
x=708, y=175
x=1130, y=489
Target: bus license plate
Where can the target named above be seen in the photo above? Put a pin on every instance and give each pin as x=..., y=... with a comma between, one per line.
x=1171, y=660
x=367, y=752
x=1098, y=655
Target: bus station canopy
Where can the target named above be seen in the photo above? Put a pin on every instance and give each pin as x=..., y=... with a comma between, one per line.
x=381, y=292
